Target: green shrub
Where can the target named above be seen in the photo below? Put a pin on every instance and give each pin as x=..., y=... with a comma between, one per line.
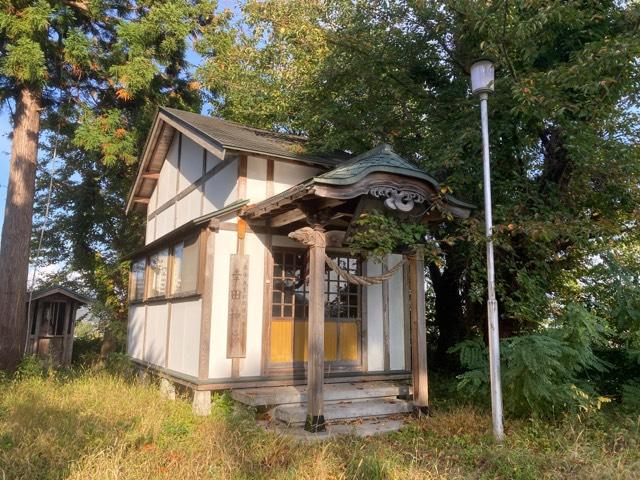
x=120, y=364
x=631, y=396
x=543, y=373
x=30, y=367
x=86, y=349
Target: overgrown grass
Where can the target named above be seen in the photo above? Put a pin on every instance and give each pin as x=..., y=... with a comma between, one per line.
x=97, y=425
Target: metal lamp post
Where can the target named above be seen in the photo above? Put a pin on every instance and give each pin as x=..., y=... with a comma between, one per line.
x=482, y=80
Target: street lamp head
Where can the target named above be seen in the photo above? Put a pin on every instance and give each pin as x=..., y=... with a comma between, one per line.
x=482, y=77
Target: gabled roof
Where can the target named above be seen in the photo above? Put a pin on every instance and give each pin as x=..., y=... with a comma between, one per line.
x=234, y=136
x=218, y=136
x=58, y=289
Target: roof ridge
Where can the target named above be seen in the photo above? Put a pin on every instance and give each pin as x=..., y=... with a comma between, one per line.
x=282, y=135
x=378, y=149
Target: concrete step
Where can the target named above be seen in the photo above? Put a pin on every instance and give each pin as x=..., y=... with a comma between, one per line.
x=378, y=407
x=266, y=396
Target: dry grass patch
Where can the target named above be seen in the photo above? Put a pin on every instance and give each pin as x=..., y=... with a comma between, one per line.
x=100, y=426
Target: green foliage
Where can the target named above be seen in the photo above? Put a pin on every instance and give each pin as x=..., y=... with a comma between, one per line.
x=96, y=134
x=543, y=373
x=24, y=61
x=379, y=234
x=30, y=367
x=108, y=66
x=120, y=364
x=631, y=396
x=86, y=349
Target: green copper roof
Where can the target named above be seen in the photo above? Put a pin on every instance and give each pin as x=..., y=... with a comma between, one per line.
x=380, y=159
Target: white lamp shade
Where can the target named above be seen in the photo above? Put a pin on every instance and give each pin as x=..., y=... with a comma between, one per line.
x=482, y=77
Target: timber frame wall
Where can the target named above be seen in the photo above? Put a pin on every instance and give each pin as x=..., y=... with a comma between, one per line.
x=207, y=233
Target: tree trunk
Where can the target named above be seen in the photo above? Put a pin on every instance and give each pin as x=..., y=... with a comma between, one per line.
x=16, y=231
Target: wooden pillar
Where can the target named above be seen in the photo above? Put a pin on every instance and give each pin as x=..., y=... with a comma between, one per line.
x=418, y=334
x=69, y=329
x=205, y=278
x=36, y=336
x=314, y=238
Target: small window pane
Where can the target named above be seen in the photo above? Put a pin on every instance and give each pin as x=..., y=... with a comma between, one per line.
x=34, y=317
x=185, y=266
x=136, y=289
x=60, y=311
x=288, y=296
x=277, y=296
x=158, y=273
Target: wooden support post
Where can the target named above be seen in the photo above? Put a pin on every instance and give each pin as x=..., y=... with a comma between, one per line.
x=36, y=337
x=418, y=335
x=207, y=245
x=314, y=238
x=68, y=334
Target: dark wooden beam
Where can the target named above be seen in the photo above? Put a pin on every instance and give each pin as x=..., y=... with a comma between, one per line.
x=286, y=218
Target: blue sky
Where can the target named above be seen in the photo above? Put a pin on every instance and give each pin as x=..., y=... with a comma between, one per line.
x=5, y=156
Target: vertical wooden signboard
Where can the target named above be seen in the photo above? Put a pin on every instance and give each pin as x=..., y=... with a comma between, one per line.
x=238, y=298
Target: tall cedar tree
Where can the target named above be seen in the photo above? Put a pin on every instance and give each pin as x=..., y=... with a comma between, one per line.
x=564, y=133
x=92, y=72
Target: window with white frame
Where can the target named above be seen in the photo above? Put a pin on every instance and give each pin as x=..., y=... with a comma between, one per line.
x=158, y=273
x=136, y=282
x=184, y=271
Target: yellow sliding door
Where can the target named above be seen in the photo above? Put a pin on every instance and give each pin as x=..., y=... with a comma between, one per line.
x=289, y=315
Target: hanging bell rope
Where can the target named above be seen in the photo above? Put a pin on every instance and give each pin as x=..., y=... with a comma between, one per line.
x=364, y=281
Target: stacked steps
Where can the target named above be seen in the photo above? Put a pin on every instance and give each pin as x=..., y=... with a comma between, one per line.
x=343, y=401
x=376, y=407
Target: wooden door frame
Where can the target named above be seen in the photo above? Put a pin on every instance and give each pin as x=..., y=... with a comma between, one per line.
x=298, y=368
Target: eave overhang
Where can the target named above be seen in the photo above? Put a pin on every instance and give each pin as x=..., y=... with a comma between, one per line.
x=379, y=175
x=187, y=228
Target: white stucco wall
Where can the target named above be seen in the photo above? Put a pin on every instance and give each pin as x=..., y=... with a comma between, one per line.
x=184, y=337
x=288, y=174
x=375, y=312
x=255, y=248
x=156, y=334
x=256, y=179
x=191, y=163
x=396, y=316
x=135, y=331
x=225, y=245
x=375, y=339
x=220, y=190
x=167, y=183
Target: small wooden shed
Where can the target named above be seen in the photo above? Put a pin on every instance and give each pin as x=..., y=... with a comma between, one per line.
x=51, y=319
